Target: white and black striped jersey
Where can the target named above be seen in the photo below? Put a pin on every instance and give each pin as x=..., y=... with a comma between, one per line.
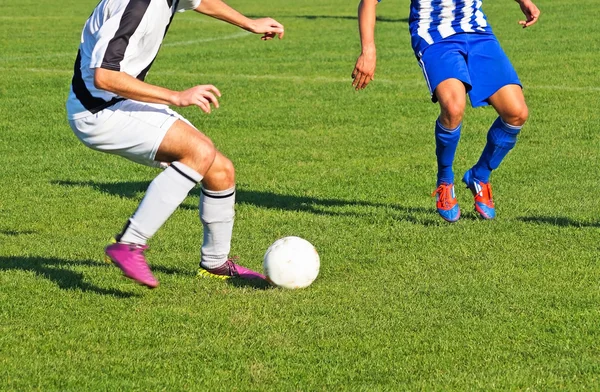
x=120, y=35
x=431, y=21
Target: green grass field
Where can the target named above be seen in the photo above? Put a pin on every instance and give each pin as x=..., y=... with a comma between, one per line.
x=404, y=301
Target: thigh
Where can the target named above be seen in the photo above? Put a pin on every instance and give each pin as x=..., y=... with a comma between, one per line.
x=451, y=94
x=445, y=60
x=510, y=104
x=184, y=143
x=133, y=130
x=489, y=68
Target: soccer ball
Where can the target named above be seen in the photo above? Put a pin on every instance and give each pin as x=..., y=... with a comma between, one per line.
x=291, y=263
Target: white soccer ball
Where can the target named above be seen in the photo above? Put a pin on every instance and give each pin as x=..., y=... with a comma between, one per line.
x=291, y=263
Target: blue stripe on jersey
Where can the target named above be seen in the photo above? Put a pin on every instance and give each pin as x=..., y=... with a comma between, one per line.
x=436, y=20
x=431, y=21
x=460, y=14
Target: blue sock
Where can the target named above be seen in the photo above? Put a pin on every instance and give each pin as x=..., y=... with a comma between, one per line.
x=446, y=141
x=501, y=138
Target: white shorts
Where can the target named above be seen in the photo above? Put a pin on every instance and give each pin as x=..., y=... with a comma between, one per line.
x=131, y=129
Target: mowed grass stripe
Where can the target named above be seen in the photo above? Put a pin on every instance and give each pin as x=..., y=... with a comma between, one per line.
x=404, y=301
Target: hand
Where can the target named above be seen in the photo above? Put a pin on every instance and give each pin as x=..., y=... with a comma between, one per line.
x=268, y=27
x=531, y=12
x=364, y=70
x=202, y=96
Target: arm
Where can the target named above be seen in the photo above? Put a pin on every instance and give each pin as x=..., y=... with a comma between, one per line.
x=219, y=10
x=531, y=12
x=129, y=87
x=364, y=69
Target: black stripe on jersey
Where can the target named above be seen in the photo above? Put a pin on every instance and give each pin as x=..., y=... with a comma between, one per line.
x=91, y=103
x=115, y=51
x=142, y=75
x=217, y=196
x=172, y=16
x=178, y=170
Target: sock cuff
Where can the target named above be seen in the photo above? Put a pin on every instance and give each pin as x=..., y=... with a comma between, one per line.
x=187, y=172
x=132, y=234
x=514, y=129
x=219, y=194
x=439, y=125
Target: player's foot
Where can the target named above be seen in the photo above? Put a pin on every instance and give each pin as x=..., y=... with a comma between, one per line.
x=446, y=203
x=229, y=270
x=130, y=259
x=482, y=192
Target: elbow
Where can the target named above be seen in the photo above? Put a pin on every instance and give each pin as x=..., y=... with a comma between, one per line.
x=101, y=79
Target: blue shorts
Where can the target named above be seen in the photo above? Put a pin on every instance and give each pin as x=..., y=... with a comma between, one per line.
x=475, y=59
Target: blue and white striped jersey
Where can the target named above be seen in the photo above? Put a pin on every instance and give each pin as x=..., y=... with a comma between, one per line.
x=431, y=21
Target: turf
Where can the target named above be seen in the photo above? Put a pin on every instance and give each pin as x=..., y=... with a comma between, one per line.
x=404, y=301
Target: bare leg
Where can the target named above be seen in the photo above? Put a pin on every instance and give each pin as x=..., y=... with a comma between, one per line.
x=510, y=104
x=451, y=94
x=501, y=138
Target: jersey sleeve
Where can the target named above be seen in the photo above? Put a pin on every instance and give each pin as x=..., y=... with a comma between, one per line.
x=185, y=5
x=114, y=35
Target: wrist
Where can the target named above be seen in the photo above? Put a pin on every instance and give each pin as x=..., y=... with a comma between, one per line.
x=249, y=25
x=174, y=98
x=369, y=49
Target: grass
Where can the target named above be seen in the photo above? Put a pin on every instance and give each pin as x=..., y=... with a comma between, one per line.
x=404, y=301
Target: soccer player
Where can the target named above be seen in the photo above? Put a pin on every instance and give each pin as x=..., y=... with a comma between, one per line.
x=459, y=54
x=112, y=109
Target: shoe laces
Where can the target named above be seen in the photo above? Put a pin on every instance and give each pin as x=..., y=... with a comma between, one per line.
x=444, y=192
x=138, y=253
x=231, y=266
x=483, y=191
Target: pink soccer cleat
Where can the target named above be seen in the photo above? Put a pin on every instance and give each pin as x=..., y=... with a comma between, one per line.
x=130, y=259
x=230, y=270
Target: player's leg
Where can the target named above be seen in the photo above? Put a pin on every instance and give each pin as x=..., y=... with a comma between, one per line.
x=495, y=82
x=447, y=77
x=189, y=153
x=510, y=104
x=451, y=95
x=217, y=200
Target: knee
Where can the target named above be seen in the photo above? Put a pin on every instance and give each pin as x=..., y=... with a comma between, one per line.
x=517, y=116
x=452, y=114
x=221, y=174
x=226, y=170
x=201, y=156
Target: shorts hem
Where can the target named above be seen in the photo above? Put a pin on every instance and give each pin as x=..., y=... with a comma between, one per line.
x=165, y=128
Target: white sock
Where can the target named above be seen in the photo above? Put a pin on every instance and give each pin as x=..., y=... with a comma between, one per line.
x=216, y=214
x=165, y=193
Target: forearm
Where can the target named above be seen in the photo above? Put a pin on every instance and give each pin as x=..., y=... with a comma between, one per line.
x=366, y=24
x=219, y=10
x=129, y=87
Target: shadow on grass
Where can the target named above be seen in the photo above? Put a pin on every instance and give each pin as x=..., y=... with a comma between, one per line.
x=58, y=272
x=314, y=205
x=257, y=284
x=16, y=233
x=560, y=221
